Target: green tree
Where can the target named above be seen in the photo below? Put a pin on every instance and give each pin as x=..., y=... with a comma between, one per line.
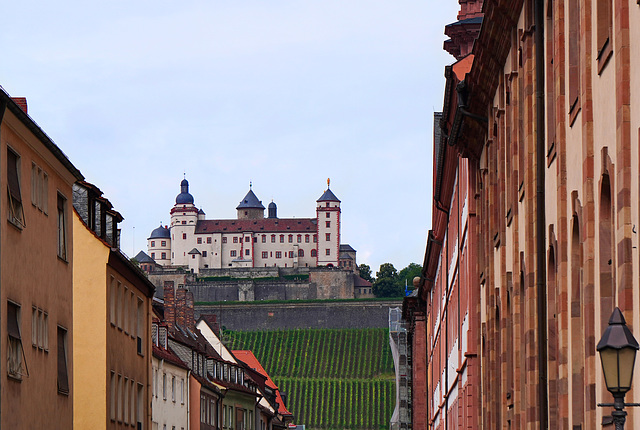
x=386, y=283
x=365, y=272
x=406, y=275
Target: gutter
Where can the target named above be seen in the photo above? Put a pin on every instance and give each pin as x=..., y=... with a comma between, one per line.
x=3, y=107
x=543, y=383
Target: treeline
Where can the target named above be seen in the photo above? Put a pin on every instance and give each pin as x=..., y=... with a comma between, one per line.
x=388, y=282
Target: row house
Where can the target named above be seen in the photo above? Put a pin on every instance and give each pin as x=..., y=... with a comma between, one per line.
x=195, y=385
x=534, y=237
x=112, y=317
x=36, y=280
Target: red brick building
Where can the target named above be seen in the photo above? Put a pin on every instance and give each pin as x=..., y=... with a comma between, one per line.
x=535, y=217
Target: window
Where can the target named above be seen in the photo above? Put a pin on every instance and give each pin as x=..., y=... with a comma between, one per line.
x=328, y=224
x=314, y=253
x=247, y=239
x=273, y=238
x=265, y=254
x=235, y=240
x=233, y=253
x=39, y=188
x=204, y=253
x=299, y=238
x=153, y=243
x=112, y=397
x=15, y=354
x=604, y=22
x=126, y=401
x=112, y=301
x=574, y=56
x=163, y=243
x=199, y=240
x=153, y=255
x=16, y=213
x=63, y=376
x=328, y=214
x=224, y=240
x=328, y=251
x=315, y=238
x=278, y=254
x=290, y=238
x=300, y=252
x=264, y=238
x=164, y=255
x=173, y=388
x=62, y=227
x=140, y=408
x=39, y=329
x=282, y=238
x=306, y=238
x=182, y=391
x=328, y=236
x=184, y=236
x=164, y=386
x=247, y=252
x=208, y=240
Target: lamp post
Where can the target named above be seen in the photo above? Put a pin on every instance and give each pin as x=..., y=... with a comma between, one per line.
x=617, y=350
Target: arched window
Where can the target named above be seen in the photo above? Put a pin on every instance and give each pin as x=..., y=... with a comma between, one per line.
x=314, y=253
x=282, y=238
x=290, y=238
x=300, y=252
x=273, y=238
x=299, y=238
x=306, y=238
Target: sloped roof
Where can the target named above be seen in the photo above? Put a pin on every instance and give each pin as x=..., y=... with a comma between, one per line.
x=193, y=251
x=328, y=196
x=142, y=257
x=360, y=282
x=250, y=201
x=264, y=225
x=345, y=247
x=250, y=360
x=160, y=233
x=170, y=356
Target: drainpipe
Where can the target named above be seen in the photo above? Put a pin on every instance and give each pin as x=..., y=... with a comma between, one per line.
x=3, y=107
x=543, y=400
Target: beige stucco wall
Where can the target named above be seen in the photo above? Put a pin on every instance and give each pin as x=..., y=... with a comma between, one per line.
x=89, y=317
x=167, y=411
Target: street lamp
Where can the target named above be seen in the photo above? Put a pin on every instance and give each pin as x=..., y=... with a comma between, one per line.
x=617, y=350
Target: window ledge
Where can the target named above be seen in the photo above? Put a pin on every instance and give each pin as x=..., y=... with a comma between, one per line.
x=605, y=54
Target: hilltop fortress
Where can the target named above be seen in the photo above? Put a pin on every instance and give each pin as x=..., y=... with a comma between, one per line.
x=254, y=257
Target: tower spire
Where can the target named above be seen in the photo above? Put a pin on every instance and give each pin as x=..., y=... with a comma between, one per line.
x=328, y=182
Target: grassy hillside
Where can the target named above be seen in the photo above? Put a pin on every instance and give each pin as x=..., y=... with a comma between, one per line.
x=334, y=379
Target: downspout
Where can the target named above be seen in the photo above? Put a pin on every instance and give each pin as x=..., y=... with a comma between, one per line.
x=3, y=107
x=543, y=400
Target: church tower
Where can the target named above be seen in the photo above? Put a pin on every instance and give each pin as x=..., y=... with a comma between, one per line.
x=184, y=217
x=328, y=219
x=250, y=207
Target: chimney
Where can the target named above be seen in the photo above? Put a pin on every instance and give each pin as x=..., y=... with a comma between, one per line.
x=169, y=305
x=181, y=306
x=22, y=102
x=189, y=318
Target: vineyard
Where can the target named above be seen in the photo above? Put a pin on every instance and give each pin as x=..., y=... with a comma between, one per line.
x=334, y=379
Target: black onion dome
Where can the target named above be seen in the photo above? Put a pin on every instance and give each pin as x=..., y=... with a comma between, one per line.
x=272, y=206
x=160, y=233
x=184, y=197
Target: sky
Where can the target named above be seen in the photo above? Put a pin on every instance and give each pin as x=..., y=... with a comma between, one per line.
x=280, y=94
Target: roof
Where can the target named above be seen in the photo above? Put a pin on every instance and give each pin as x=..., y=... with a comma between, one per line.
x=250, y=360
x=345, y=247
x=360, y=282
x=170, y=356
x=193, y=251
x=11, y=105
x=328, y=196
x=142, y=257
x=345, y=256
x=160, y=233
x=250, y=201
x=265, y=225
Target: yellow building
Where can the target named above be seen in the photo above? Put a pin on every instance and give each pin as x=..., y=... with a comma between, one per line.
x=111, y=319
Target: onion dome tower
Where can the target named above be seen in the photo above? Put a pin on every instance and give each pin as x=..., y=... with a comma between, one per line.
x=184, y=217
x=328, y=221
x=250, y=207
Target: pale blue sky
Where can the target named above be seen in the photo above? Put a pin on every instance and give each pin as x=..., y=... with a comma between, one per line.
x=281, y=93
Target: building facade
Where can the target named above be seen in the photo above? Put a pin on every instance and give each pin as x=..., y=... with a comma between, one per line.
x=537, y=160
x=251, y=240
x=112, y=320
x=36, y=280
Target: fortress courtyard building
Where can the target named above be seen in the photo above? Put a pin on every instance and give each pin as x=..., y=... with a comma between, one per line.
x=251, y=240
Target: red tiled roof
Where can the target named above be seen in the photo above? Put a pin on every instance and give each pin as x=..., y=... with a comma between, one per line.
x=359, y=282
x=265, y=225
x=250, y=360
